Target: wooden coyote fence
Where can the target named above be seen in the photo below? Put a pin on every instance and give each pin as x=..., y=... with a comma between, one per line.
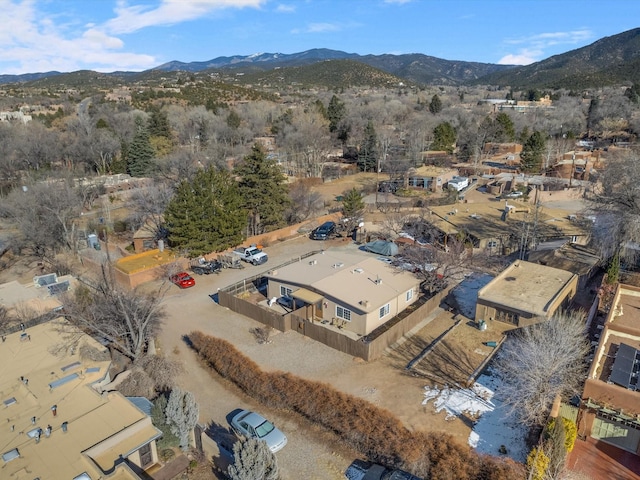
x=368, y=348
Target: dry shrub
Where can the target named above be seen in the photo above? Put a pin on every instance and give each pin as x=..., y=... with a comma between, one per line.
x=374, y=431
x=137, y=384
x=89, y=352
x=161, y=370
x=262, y=334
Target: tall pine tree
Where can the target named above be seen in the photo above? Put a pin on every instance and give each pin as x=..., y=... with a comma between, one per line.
x=532, y=153
x=444, y=137
x=264, y=191
x=140, y=153
x=206, y=215
x=336, y=111
x=368, y=154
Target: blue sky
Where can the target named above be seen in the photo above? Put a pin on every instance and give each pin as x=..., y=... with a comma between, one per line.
x=109, y=35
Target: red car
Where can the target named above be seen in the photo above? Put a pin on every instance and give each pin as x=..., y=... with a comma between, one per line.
x=183, y=280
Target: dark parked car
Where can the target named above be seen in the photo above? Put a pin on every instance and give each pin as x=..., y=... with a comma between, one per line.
x=324, y=231
x=361, y=470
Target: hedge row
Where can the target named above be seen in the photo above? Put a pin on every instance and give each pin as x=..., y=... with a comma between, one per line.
x=373, y=431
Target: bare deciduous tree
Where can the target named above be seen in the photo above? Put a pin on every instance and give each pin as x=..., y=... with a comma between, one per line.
x=126, y=319
x=253, y=460
x=541, y=361
x=617, y=205
x=305, y=202
x=148, y=205
x=45, y=214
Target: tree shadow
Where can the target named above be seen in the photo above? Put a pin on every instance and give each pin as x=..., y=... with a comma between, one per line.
x=224, y=440
x=448, y=363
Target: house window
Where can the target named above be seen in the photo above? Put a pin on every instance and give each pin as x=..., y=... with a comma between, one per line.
x=492, y=244
x=384, y=310
x=343, y=313
x=146, y=455
x=409, y=295
x=284, y=291
x=507, y=317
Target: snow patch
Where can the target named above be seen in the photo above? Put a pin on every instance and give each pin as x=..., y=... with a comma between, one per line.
x=466, y=293
x=494, y=427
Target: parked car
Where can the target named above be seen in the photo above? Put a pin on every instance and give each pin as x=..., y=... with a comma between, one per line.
x=252, y=254
x=183, y=280
x=324, y=231
x=254, y=425
x=514, y=194
x=287, y=302
x=361, y=470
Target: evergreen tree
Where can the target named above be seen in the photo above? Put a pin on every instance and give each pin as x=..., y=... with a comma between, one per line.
x=320, y=108
x=335, y=113
x=505, y=131
x=253, y=461
x=436, y=104
x=234, y=120
x=140, y=153
x=368, y=154
x=352, y=208
x=182, y=413
x=206, y=215
x=264, y=192
x=532, y=153
x=633, y=93
x=158, y=124
x=444, y=137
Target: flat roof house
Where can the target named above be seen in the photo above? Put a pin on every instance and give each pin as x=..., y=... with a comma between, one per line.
x=524, y=293
x=610, y=406
x=497, y=226
x=356, y=292
x=59, y=425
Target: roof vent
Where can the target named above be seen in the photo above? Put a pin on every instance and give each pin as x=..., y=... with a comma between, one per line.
x=338, y=265
x=313, y=262
x=364, y=303
x=378, y=281
x=358, y=270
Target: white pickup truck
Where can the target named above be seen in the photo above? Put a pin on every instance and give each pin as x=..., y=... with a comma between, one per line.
x=252, y=254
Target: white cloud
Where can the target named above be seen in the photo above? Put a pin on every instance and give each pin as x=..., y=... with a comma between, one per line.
x=517, y=59
x=282, y=8
x=135, y=17
x=534, y=46
x=322, y=27
x=38, y=40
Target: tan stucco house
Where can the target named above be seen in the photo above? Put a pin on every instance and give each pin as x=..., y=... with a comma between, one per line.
x=358, y=293
x=524, y=293
x=59, y=424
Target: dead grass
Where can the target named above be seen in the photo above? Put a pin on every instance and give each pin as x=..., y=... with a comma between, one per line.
x=145, y=260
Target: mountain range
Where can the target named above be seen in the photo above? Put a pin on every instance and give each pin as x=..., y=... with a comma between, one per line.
x=610, y=60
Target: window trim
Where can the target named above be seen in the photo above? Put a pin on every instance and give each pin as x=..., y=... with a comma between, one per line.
x=285, y=291
x=409, y=295
x=346, y=313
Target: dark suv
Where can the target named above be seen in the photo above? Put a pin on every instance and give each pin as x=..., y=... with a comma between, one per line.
x=324, y=231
